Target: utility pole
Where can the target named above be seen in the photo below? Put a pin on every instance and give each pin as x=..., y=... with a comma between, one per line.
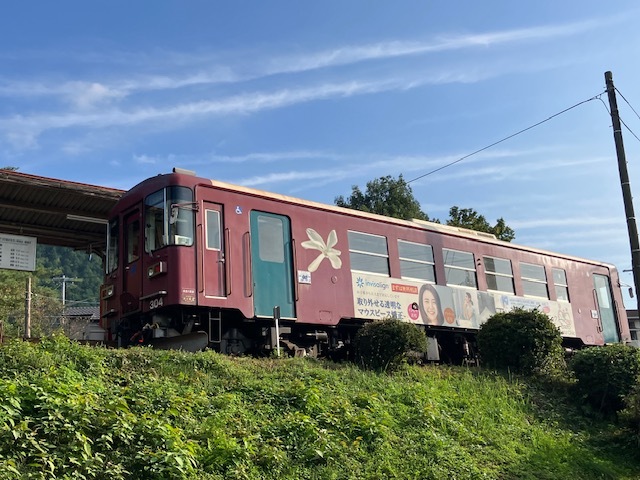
x=64, y=280
x=626, y=186
x=27, y=309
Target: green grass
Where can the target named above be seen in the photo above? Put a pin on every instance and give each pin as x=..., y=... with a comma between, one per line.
x=71, y=411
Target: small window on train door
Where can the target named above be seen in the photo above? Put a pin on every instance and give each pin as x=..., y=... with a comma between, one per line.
x=459, y=268
x=560, y=284
x=133, y=240
x=271, y=237
x=416, y=261
x=534, y=280
x=368, y=253
x=498, y=274
x=213, y=230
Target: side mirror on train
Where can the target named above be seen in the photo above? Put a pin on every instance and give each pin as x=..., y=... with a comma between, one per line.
x=631, y=292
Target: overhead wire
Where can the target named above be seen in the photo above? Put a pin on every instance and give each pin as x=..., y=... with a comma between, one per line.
x=621, y=120
x=627, y=102
x=634, y=111
x=595, y=97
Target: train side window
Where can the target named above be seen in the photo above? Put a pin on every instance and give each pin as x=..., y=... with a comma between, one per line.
x=113, y=235
x=499, y=274
x=213, y=230
x=459, y=268
x=560, y=284
x=368, y=253
x=534, y=280
x=416, y=261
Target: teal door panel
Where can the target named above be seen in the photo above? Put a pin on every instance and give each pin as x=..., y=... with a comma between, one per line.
x=271, y=264
x=606, y=308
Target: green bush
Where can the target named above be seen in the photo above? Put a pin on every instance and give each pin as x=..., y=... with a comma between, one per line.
x=524, y=341
x=385, y=344
x=606, y=374
x=630, y=415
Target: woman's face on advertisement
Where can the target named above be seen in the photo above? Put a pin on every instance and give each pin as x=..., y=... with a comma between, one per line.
x=430, y=306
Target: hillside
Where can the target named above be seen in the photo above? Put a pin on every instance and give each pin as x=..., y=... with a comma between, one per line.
x=85, y=272
x=72, y=411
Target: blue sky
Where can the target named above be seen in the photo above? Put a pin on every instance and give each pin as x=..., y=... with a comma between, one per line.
x=310, y=98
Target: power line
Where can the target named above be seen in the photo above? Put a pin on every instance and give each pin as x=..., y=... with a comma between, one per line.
x=595, y=97
x=627, y=102
x=620, y=118
x=630, y=131
x=634, y=111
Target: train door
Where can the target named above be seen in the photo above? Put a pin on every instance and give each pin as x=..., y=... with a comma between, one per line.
x=271, y=264
x=213, y=262
x=606, y=308
x=132, y=277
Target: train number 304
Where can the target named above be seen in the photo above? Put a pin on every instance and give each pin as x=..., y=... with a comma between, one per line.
x=155, y=303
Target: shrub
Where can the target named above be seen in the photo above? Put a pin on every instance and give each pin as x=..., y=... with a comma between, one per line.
x=630, y=415
x=385, y=344
x=606, y=374
x=525, y=341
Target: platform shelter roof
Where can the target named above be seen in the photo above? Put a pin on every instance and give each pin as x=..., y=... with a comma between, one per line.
x=56, y=212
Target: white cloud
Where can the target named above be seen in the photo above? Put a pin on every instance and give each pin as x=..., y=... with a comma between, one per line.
x=292, y=176
x=270, y=157
x=566, y=221
x=75, y=148
x=393, y=49
x=85, y=92
x=87, y=95
x=240, y=104
x=501, y=164
x=145, y=159
x=22, y=139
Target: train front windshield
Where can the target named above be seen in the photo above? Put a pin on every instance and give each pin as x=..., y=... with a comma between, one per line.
x=169, y=218
x=112, y=245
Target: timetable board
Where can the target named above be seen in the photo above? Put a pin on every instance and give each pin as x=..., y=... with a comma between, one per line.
x=17, y=252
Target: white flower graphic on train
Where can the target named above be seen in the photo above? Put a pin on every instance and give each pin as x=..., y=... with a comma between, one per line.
x=316, y=242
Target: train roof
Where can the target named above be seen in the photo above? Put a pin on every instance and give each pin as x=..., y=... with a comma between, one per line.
x=187, y=178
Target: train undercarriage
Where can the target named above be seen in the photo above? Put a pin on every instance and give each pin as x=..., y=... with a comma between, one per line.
x=229, y=332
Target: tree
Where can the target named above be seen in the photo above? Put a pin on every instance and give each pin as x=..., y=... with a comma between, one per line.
x=394, y=198
x=469, y=218
x=57, y=261
x=385, y=196
x=46, y=308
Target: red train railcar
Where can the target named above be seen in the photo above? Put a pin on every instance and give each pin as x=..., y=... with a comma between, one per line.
x=194, y=262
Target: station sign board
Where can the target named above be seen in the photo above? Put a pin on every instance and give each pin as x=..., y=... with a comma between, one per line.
x=17, y=252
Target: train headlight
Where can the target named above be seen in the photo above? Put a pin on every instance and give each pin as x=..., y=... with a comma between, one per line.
x=157, y=269
x=106, y=291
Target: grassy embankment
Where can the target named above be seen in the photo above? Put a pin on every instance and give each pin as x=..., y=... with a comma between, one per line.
x=71, y=411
